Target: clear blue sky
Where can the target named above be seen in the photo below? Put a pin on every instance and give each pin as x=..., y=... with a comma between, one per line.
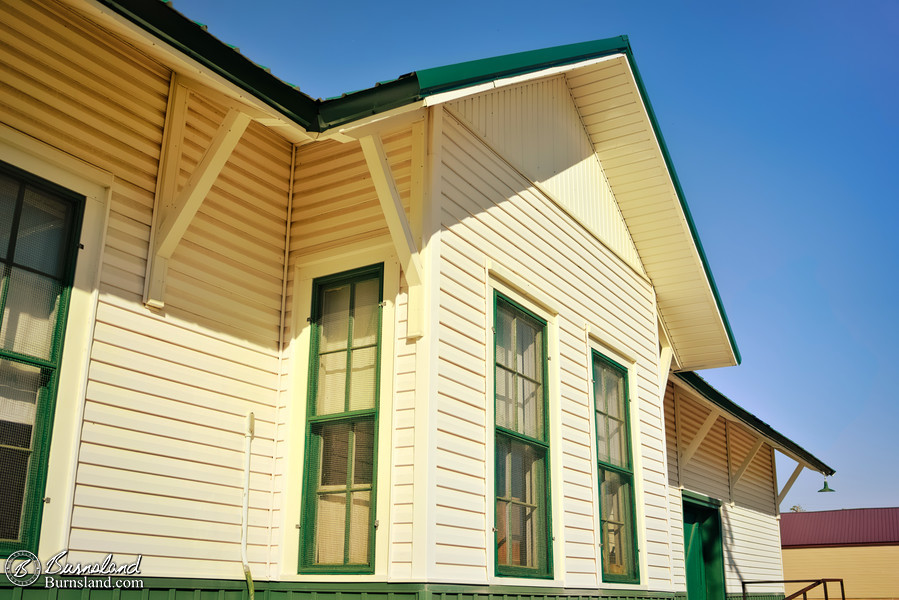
x=782, y=119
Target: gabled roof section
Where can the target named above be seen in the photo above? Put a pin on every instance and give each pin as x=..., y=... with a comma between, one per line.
x=617, y=116
x=737, y=412
x=847, y=527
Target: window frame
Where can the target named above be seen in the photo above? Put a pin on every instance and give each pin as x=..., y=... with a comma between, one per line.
x=312, y=444
x=45, y=409
x=546, y=572
x=617, y=469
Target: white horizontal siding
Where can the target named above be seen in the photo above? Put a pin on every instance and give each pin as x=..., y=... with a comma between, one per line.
x=490, y=211
x=160, y=462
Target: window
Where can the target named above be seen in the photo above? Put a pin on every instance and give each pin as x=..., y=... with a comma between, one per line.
x=522, y=448
x=39, y=223
x=616, y=474
x=342, y=424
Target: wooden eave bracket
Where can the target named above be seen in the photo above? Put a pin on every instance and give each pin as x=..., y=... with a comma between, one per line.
x=400, y=231
x=175, y=209
x=704, y=430
x=786, y=488
x=747, y=461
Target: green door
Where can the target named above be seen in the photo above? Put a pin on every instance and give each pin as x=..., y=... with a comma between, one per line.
x=703, y=554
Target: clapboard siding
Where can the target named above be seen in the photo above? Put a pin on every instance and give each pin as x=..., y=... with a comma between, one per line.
x=403, y=454
x=161, y=459
x=536, y=127
x=488, y=210
x=750, y=531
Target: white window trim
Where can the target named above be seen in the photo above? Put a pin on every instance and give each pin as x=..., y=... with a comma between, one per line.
x=305, y=272
x=597, y=342
x=52, y=164
x=517, y=288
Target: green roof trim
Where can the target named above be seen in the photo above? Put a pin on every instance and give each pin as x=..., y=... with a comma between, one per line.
x=461, y=75
x=170, y=26
x=189, y=38
x=704, y=389
x=683, y=202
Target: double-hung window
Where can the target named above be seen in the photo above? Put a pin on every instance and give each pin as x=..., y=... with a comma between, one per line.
x=342, y=423
x=39, y=224
x=616, y=474
x=522, y=443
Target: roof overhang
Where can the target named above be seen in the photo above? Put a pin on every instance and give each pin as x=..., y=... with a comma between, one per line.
x=620, y=123
x=606, y=88
x=731, y=410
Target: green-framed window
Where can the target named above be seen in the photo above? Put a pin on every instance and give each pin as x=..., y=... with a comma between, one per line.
x=616, y=472
x=523, y=529
x=338, y=526
x=39, y=225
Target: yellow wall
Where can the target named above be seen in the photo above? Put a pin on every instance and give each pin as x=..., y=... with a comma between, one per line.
x=868, y=572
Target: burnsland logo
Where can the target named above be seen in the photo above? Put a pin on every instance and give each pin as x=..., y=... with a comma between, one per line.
x=23, y=568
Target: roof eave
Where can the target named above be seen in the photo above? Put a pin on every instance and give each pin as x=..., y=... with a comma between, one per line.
x=704, y=389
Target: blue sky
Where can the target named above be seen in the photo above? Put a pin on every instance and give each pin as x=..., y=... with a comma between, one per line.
x=782, y=122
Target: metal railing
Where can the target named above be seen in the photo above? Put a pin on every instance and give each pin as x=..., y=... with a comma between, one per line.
x=813, y=583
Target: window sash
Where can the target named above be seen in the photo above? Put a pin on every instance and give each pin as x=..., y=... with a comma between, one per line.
x=23, y=258
x=622, y=567
x=521, y=499
x=352, y=549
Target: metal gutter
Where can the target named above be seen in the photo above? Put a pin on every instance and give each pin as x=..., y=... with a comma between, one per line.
x=170, y=26
x=702, y=387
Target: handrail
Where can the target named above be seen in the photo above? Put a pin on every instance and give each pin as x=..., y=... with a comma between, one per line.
x=804, y=591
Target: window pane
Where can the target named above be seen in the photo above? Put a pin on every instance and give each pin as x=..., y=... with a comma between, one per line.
x=366, y=313
x=360, y=521
x=29, y=317
x=363, y=379
x=505, y=398
x=19, y=388
x=505, y=353
x=364, y=442
x=602, y=437
x=331, y=397
x=520, y=503
x=42, y=233
x=20, y=385
x=13, y=477
x=529, y=349
x=335, y=318
x=617, y=529
x=617, y=447
x=334, y=449
x=9, y=194
x=614, y=388
x=330, y=529
x=530, y=408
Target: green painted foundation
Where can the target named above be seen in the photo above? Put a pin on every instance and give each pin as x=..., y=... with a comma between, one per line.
x=214, y=589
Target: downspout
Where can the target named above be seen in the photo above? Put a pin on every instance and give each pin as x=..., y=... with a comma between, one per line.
x=250, y=432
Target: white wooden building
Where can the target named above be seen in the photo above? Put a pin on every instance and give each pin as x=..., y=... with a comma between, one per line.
x=451, y=319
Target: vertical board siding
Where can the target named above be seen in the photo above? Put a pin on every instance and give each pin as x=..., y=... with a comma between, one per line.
x=750, y=530
x=490, y=211
x=160, y=467
x=536, y=127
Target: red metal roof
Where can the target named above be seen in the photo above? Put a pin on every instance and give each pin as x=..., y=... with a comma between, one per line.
x=854, y=526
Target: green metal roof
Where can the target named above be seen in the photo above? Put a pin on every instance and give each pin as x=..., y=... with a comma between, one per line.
x=702, y=387
x=167, y=24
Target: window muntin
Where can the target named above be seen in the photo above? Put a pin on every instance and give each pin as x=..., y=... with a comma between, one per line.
x=616, y=475
x=39, y=222
x=522, y=448
x=338, y=516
